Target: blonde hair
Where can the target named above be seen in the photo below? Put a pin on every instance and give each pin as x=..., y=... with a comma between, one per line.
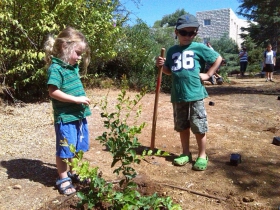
x=62, y=46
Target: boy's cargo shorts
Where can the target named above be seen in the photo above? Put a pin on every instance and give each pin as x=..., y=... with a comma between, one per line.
x=190, y=115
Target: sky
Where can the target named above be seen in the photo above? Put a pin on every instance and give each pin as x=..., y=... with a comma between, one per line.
x=152, y=10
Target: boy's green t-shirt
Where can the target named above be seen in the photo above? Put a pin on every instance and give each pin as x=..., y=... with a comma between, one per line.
x=67, y=79
x=185, y=63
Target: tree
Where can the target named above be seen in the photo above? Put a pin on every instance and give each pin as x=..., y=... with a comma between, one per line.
x=136, y=51
x=225, y=45
x=266, y=14
x=170, y=20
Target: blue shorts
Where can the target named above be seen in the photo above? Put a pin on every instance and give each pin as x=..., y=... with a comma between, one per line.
x=75, y=133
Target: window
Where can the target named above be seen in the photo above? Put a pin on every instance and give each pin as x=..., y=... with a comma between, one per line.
x=207, y=22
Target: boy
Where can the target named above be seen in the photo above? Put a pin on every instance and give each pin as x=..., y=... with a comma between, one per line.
x=185, y=62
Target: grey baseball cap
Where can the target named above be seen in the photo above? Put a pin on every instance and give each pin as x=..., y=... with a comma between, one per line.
x=187, y=20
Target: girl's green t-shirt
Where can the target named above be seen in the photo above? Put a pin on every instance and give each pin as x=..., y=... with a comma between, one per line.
x=67, y=79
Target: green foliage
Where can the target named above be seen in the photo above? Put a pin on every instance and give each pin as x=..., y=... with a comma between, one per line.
x=228, y=49
x=99, y=81
x=135, y=57
x=225, y=45
x=157, y=153
x=82, y=167
x=99, y=189
x=121, y=140
x=164, y=37
x=255, y=56
x=25, y=25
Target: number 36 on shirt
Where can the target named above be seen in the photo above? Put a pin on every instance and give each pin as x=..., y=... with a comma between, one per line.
x=183, y=60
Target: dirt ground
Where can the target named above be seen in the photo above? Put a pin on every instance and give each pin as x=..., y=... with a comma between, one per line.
x=244, y=119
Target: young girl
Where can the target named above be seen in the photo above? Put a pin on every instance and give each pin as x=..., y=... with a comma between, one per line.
x=269, y=61
x=69, y=100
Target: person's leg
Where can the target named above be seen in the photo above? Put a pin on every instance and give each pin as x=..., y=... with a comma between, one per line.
x=81, y=145
x=182, y=125
x=62, y=173
x=245, y=66
x=202, y=160
x=201, y=143
x=266, y=74
x=242, y=68
x=271, y=72
x=186, y=155
x=65, y=136
x=199, y=126
x=185, y=141
x=269, y=76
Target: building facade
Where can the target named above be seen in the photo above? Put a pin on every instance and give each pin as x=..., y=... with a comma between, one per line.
x=216, y=23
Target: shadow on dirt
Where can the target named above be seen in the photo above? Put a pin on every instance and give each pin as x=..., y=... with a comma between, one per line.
x=250, y=175
x=231, y=89
x=34, y=170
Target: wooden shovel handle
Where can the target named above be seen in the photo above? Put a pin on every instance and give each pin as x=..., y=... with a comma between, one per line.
x=156, y=101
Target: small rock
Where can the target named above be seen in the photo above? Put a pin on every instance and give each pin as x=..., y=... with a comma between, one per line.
x=211, y=103
x=248, y=199
x=55, y=201
x=17, y=186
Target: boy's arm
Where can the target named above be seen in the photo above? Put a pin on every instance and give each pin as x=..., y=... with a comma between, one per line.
x=57, y=94
x=211, y=70
x=166, y=70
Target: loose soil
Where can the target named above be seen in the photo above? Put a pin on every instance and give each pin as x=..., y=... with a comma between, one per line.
x=244, y=120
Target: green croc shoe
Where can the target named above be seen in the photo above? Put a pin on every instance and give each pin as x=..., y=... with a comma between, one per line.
x=200, y=164
x=182, y=160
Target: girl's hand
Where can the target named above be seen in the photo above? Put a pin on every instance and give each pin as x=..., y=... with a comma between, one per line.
x=83, y=100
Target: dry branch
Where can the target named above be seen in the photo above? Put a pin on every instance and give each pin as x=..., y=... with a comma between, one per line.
x=197, y=193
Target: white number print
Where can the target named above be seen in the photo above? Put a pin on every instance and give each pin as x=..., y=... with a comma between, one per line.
x=184, y=60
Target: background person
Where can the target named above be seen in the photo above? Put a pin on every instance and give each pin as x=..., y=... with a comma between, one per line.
x=269, y=61
x=243, y=60
x=209, y=45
